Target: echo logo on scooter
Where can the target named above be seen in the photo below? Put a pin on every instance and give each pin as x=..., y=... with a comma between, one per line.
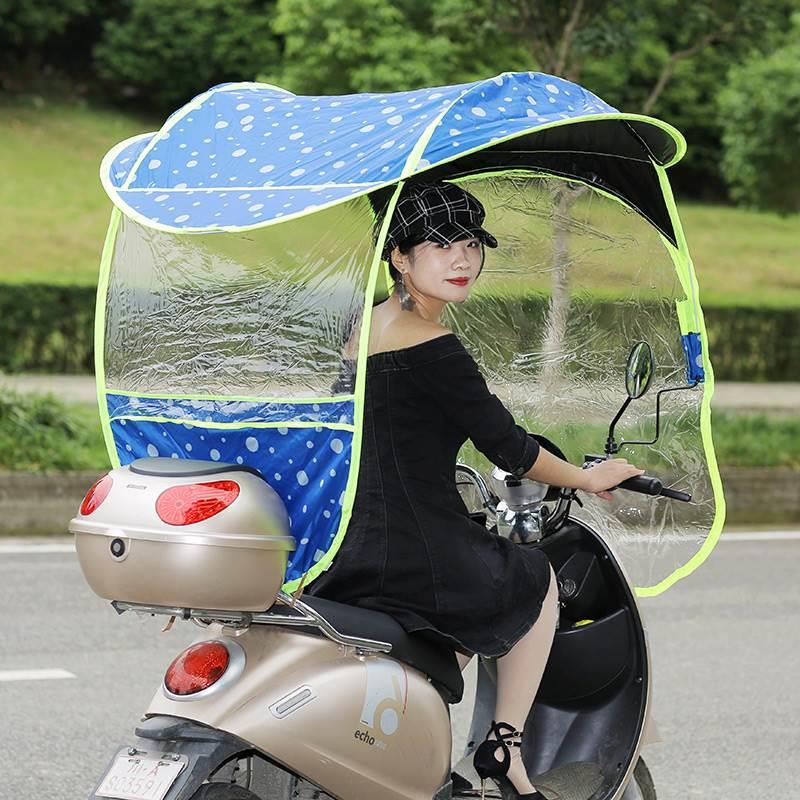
x=385, y=700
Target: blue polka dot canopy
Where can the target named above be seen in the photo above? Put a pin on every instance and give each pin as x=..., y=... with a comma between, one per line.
x=244, y=256
x=246, y=154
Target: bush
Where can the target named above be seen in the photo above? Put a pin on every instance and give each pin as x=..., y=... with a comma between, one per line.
x=40, y=433
x=50, y=329
x=760, y=113
x=46, y=328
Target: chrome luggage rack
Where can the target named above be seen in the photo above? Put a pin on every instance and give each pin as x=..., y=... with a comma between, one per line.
x=299, y=615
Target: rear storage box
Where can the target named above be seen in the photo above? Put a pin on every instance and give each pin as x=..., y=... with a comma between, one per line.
x=184, y=534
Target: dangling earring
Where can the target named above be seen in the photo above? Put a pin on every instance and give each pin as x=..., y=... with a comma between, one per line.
x=406, y=300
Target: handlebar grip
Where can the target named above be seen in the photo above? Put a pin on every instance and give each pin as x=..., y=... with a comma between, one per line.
x=676, y=495
x=643, y=484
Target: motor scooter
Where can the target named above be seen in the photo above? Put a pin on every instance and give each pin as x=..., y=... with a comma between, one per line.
x=309, y=698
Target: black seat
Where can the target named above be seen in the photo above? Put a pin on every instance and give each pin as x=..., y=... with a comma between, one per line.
x=437, y=661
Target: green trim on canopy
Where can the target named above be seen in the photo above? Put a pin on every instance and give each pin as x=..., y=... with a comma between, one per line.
x=685, y=269
x=361, y=384
x=99, y=334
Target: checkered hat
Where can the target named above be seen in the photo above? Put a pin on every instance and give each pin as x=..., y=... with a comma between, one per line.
x=437, y=212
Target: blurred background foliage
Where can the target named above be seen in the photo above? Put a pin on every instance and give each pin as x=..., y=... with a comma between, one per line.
x=724, y=72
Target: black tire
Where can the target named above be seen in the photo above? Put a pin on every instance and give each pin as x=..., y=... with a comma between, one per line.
x=223, y=791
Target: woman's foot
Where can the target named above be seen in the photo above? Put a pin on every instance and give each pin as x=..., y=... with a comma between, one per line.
x=499, y=756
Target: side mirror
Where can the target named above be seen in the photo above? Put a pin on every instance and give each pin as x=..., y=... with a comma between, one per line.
x=639, y=370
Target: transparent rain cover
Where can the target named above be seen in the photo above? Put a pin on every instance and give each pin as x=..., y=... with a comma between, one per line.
x=229, y=347
x=577, y=279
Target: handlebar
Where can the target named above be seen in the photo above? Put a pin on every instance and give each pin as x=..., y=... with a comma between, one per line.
x=644, y=484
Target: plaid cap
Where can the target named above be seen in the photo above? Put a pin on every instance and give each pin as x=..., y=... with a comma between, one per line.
x=437, y=212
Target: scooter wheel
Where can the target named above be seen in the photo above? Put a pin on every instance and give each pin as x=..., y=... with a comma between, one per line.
x=223, y=791
x=641, y=786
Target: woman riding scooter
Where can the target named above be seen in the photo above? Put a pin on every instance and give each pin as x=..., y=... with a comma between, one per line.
x=411, y=549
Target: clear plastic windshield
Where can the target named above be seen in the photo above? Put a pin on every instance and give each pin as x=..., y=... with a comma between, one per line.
x=576, y=281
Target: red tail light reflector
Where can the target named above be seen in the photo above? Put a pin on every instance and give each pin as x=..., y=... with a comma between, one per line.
x=96, y=495
x=195, y=502
x=197, y=668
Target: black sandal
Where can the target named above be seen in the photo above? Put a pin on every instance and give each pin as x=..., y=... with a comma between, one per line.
x=488, y=766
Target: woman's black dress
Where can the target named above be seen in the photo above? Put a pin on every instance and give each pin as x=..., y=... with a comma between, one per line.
x=411, y=549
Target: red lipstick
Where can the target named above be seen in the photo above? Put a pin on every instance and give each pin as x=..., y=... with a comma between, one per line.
x=458, y=281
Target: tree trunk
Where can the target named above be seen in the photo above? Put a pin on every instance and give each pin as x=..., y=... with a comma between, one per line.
x=555, y=332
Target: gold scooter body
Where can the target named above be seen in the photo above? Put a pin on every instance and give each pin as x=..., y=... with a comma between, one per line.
x=356, y=725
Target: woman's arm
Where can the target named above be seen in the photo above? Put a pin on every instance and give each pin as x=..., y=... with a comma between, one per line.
x=597, y=479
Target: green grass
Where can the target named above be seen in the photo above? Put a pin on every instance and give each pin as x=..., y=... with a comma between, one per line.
x=54, y=210
x=55, y=215
x=757, y=440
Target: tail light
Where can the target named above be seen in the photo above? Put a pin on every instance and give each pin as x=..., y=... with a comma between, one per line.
x=195, y=502
x=96, y=495
x=197, y=668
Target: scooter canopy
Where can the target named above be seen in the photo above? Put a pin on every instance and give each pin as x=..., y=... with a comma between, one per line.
x=244, y=256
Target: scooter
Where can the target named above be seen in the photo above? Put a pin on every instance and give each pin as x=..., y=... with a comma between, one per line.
x=314, y=699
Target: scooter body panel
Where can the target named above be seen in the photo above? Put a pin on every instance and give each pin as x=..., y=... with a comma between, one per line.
x=356, y=725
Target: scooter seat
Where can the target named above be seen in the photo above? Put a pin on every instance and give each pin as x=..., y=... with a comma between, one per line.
x=436, y=661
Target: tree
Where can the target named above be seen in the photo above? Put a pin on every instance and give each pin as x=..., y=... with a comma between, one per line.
x=29, y=23
x=167, y=52
x=343, y=46
x=760, y=117
x=626, y=56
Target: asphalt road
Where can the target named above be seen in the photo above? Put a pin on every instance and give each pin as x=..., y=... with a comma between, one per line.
x=725, y=651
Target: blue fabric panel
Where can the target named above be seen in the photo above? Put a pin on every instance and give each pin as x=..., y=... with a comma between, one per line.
x=244, y=154
x=229, y=410
x=307, y=467
x=508, y=104
x=693, y=353
x=124, y=160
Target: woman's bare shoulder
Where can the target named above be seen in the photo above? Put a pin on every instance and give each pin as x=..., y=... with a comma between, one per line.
x=406, y=330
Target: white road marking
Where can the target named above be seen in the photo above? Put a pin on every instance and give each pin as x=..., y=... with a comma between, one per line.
x=35, y=549
x=34, y=675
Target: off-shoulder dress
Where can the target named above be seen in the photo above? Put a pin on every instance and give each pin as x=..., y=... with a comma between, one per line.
x=411, y=550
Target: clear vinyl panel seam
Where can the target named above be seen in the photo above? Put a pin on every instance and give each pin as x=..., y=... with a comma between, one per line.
x=232, y=426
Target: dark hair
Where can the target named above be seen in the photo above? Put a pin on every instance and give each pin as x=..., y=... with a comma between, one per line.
x=404, y=247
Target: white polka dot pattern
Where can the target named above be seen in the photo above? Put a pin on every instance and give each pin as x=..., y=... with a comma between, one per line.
x=242, y=155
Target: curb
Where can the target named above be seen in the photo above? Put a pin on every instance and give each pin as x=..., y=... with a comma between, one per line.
x=34, y=504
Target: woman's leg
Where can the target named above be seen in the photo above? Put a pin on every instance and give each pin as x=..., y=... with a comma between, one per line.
x=519, y=674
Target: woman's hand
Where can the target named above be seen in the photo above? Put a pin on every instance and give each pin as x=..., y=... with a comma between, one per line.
x=607, y=474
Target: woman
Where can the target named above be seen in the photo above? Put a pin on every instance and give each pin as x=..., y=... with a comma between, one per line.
x=411, y=549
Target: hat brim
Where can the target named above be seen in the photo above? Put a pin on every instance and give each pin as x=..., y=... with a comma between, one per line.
x=449, y=232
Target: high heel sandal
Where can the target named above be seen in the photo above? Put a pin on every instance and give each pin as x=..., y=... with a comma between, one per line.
x=488, y=766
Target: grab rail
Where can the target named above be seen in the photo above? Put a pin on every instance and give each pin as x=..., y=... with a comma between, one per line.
x=306, y=617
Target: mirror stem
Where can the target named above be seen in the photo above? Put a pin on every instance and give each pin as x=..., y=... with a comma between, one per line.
x=611, y=445
x=658, y=412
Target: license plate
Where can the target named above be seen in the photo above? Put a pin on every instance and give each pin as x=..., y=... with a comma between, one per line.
x=140, y=777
